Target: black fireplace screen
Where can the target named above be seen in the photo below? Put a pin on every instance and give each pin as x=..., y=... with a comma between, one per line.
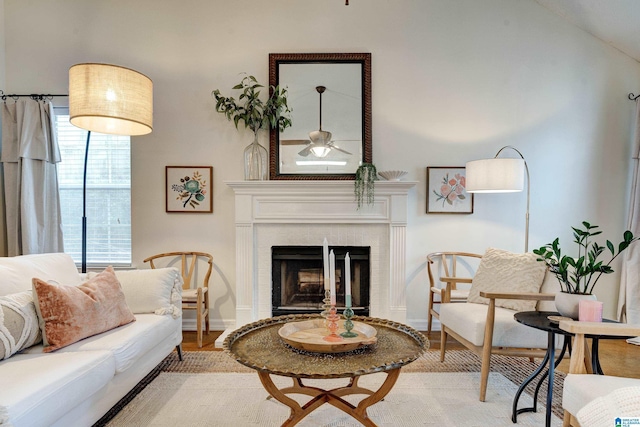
x=298, y=279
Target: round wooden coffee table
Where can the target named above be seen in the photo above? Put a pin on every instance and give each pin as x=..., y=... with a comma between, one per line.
x=258, y=346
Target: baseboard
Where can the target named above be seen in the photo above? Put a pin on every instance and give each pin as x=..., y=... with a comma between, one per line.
x=214, y=324
x=422, y=324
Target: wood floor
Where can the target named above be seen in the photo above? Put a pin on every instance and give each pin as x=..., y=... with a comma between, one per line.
x=616, y=356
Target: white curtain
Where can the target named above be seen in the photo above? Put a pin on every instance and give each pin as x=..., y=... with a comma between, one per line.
x=29, y=156
x=629, y=297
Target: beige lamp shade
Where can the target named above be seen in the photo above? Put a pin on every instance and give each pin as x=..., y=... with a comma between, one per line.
x=110, y=99
x=495, y=175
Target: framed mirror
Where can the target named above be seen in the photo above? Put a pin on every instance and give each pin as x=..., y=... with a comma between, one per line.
x=330, y=99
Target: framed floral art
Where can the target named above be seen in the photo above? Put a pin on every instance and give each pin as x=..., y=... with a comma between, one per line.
x=447, y=192
x=189, y=189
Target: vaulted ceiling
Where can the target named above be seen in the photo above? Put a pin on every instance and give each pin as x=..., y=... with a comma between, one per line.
x=616, y=22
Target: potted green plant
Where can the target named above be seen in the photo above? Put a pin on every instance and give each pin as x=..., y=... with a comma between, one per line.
x=579, y=275
x=364, y=184
x=256, y=114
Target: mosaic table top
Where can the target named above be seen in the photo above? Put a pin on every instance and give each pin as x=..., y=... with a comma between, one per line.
x=258, y=346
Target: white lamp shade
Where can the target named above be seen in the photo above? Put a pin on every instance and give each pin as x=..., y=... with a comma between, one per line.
x=495, y=175
x=110, y=99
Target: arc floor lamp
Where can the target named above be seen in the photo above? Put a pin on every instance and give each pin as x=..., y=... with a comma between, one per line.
x=107, y=99
x=500, y=175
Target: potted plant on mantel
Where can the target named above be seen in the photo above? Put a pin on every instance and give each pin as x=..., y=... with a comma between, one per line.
x=256, y=115
x=578, y=276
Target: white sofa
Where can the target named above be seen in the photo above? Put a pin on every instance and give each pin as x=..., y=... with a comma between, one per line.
x=78, y=384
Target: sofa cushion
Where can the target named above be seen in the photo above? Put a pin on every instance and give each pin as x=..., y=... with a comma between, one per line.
x=16, y=272
x=151, y=291
x=37, y=389
x=129, y=342
x=580, y=389
x=468, y=320
x=503, y=271
x=19, y=327
x=71, y=313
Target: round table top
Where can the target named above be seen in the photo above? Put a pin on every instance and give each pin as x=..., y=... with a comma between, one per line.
x=258, y=346
x=540, y=320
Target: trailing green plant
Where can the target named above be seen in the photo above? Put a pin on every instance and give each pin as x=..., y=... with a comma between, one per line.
x=580, y=275
x=251, y=110
x=364, y=184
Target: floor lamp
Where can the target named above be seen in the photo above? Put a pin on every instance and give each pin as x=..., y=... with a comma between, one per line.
x=107, y=99
x=500, y=175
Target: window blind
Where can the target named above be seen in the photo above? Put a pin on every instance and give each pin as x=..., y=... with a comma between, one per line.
x=108, y=193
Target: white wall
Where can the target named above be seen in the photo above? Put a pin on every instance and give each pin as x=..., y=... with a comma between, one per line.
x=452, y=81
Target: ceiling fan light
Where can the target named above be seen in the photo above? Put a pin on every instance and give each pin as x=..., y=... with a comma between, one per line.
x=320, y=151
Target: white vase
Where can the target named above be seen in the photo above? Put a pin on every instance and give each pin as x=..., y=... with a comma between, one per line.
x=255, y=161
x=567, y=304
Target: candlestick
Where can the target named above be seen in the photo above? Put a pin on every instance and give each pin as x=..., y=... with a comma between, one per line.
x=348, y=324
x=332, y=325
x=332, y=276
x=347, y=280
x=326, y=305
x=325, y=260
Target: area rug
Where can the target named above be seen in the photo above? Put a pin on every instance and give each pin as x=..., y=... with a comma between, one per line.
x=235, y=399
x=513, y=370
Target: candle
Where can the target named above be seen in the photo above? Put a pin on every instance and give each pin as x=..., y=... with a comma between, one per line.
x=332, y=277
x=590, y=311
x=325, y=259
x=347, y=280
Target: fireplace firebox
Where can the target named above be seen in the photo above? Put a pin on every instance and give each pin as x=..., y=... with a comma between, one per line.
x=298, y=279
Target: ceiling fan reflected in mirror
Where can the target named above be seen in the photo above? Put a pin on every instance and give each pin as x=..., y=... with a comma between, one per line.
x=319, y=143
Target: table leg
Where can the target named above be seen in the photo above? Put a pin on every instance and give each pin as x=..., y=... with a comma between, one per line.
x=333, y=397
x=552, y=350
x=549, y=358
x=514, y=410
x=595, y=360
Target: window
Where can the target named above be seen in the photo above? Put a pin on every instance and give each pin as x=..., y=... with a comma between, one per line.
x=108, y=193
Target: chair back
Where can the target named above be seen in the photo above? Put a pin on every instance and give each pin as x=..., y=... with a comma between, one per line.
x=189, y=266
x=448, y=264
x=550, y=285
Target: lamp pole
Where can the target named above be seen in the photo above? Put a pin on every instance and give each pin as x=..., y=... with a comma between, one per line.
x=526, y=169
x=84, y=206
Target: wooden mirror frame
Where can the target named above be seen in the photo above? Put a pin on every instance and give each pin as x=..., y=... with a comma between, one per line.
x=275, y=60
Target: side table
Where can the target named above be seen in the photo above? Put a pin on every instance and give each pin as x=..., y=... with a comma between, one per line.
x=258, y=346
x=540, y=320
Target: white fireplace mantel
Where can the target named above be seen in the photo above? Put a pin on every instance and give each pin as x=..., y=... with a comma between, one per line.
x=271, y=213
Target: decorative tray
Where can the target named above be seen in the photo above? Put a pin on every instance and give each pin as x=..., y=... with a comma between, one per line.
x=309, y=335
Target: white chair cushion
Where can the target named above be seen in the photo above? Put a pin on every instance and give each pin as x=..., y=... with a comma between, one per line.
x=623, y=402
x=503, y=271
x=550, y=285
x=469, y=319
x=456, y=294
x=580, y=389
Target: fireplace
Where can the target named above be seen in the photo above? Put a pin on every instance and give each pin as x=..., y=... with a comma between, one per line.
x=298, y=279
x=303, y=213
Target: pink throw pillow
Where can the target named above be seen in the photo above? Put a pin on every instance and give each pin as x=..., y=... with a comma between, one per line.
x=71, y=313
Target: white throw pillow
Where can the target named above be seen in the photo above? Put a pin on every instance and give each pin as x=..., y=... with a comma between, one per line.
x=503, y=271
x=156, y=291
x=19, y=327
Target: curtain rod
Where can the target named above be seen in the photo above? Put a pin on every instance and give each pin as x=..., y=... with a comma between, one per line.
x=633, y=97
x=34, y=96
